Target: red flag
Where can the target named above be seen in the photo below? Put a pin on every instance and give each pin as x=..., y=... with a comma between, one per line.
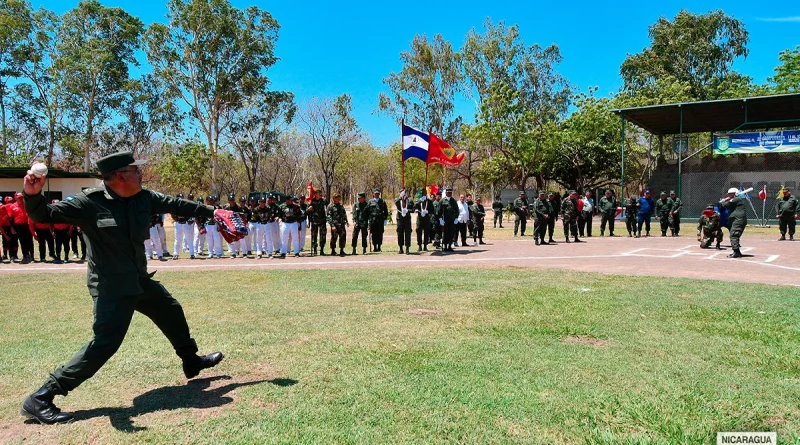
x=763, y=193
x=434, y=189
x=440, y=152
x=310, y=189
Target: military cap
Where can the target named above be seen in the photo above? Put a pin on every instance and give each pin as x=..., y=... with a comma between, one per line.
x=108, y=164
x=209, y=198
x=215, y=197
x=478, y=199
x=378, y=191
x=231, y=197
x=522, y=192
x=242, y=199
x=190, y=196
x=337, y=195
x=362, y=195
x=290, y=197
x=199, y=199
x=179, y=195
x=787, y=189
x=663, y=192
x=672, y=192
x=551, y=194
x=317, y=192
x=542, y=192
x=262, y=199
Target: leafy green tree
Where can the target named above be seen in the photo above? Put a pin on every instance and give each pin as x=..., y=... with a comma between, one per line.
x=257, y=128
x=148, y=109
x=787, y=74
x=97, y=43
x=181, y=168
x=329, y=130
x=423, y=92
x=15, y=23
x=213, y=56
x=697, y=51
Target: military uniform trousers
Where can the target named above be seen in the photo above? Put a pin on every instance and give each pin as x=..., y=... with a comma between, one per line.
x=551, y=226
x=183, y=233
x=477, y=231
x=340, y=234
x=436, y=231
x=404, y=231
x=290, y=233
x=112, y=317
x=448, y=233
x=710, y=236
x=318, y=235
x=787, y=223
x=214, y=239
x=46, y=241
x=570, y=227
x=423, y=230
x=377, y=233
x=664, y=221
x=608, y=218
x=737, y=229
x=152, y=246
x=675, y=224
x=357, y=229
x=498, y=219
x=62, y=242
x=540, y=227
x=520, y=221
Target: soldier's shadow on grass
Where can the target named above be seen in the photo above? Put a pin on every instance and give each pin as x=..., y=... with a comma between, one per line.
x=195, y=394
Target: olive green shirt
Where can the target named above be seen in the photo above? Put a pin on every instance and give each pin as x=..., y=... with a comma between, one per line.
x=114, y=229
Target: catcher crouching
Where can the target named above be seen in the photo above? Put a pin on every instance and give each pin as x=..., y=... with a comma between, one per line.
x=115, y=222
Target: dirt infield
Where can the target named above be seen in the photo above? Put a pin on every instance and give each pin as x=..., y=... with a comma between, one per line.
x=767, y=260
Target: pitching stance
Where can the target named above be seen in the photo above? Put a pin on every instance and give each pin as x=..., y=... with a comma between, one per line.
x=115, y=219
x=737, y=220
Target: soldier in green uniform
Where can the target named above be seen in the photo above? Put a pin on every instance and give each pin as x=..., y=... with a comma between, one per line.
x=424, y=209
x=405, y=207
x=569, y=215
x=631, y=211
x=337, y=218
x=319, y=220
x=360, y=222
x=542, y=213
x=436, y=227
x=378, y=218
x=115, y=219
x=555, y=209
x=786, y=211
x=708, y=228
x=520, y=208
x=448, y=217
x=497, y=208
x=663, y=208
x=608, y=212
x=675, y=214
x=737, y=219
x=478, y=217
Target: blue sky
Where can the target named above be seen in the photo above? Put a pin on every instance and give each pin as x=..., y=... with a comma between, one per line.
x=329, y=48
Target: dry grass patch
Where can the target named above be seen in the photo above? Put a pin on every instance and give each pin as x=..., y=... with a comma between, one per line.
x=586, y=340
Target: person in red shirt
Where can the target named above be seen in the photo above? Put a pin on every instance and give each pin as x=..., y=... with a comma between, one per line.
x=62, y=234
x=20, y=225
x=5, y=228
x=10, y=245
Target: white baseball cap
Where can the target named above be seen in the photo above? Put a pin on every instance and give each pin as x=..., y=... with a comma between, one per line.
x=733, y=190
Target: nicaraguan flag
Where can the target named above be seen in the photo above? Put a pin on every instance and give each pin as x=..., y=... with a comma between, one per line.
x=415, y=144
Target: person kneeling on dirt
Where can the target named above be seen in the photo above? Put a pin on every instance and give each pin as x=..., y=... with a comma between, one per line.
x=709, y=228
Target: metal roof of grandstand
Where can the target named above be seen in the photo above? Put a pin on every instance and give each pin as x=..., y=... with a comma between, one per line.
x=11, y=172
x=780, y=110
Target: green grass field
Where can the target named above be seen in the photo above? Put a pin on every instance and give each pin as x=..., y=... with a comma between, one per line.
x=506, y=355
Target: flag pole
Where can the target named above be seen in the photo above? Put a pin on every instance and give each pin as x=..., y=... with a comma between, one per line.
x=402, y=161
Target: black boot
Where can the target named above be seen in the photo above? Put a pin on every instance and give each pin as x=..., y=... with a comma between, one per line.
x=322, y=251
x=576, y=240
x=196, y=363
x=408, y=250
x=567, y=239
x=39, y=406
x=425, y=248
x=354, y=251
x=536, y=240
x=782, y=238
x=333, y=251
x=419, y=248
x=364, y=252
x=551, y=240
x=736, y=254
x=401, y=250
x=480, y=241
x=341, y=252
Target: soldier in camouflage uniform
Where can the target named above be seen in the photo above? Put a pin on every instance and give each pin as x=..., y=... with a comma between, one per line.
x=478, y=218
x=737, y=219
x=569, y=215
x=337, y=218
x=424, y=209
x=436, y=228
x=378, y=218
x=709, y=228
x=542, y=213
x=786, y=211
x=631, y=210
x=319, y=220
x=520, y=207
x=360, y=222
x=448, y=216
x=608, y=212
x=663, y=208
x=675, y=215
x=555, y=209
x=405, y=207
x=497, y=208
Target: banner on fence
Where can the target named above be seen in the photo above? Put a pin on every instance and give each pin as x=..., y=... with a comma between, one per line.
x=786, y=141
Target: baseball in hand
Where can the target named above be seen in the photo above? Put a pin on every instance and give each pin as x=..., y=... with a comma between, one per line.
x=38, y=169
